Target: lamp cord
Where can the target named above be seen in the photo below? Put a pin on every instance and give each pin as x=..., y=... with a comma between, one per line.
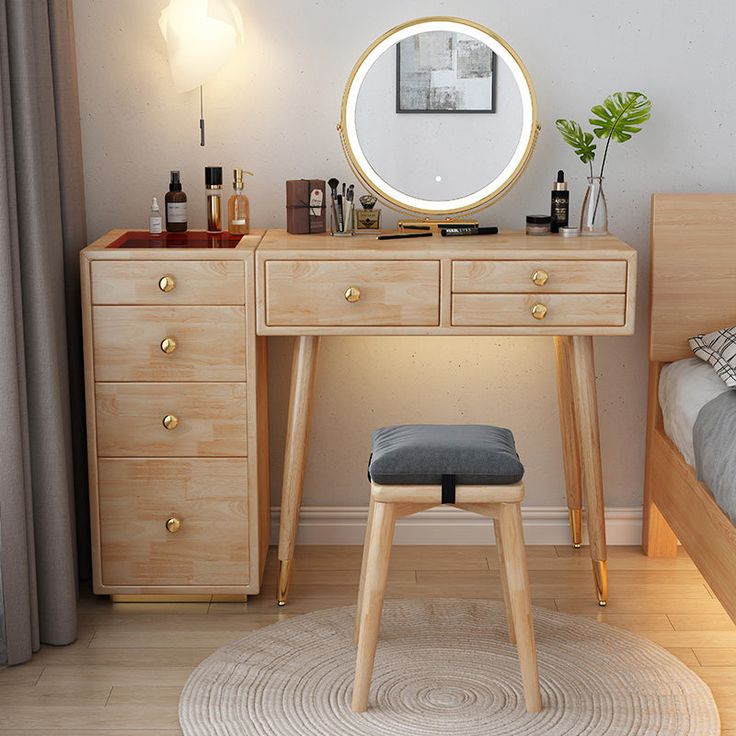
x=201, y=115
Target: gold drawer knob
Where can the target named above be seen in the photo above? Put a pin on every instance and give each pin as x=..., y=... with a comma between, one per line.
x=539, y=311
x=173, y=525
x=352, y=294
x=540, y=277
x=168, y=345
x=167, y=283
x=171, y=421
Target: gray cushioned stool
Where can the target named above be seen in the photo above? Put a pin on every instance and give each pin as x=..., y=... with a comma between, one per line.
x=415, y=467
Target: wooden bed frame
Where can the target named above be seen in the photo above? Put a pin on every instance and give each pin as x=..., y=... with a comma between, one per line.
x=693, y=289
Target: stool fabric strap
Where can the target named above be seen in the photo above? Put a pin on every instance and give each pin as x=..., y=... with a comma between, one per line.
x=448, y=488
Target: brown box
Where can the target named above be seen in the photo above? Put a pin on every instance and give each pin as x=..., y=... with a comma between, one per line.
x=306, y=206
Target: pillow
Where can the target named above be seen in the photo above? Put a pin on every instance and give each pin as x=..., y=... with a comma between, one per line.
x=719, y=349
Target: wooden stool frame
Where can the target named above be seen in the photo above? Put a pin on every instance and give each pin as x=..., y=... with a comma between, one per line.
x=500, y=503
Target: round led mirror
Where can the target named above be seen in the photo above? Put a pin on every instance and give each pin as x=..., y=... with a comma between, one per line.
x=439, y=116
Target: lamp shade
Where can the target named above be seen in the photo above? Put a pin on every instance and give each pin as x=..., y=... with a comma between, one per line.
x=201, y=36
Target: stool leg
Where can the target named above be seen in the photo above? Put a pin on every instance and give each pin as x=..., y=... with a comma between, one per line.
x=519, y=594
x=363, y=565
x=504, y=581
x=376, y=572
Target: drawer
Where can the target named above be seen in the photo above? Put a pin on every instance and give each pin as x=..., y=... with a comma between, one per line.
x=209, y=499
x=559, y=310
x=168, y=282
x=484, y=277
x=169, y=343
x=209, y=419
x=385, y=293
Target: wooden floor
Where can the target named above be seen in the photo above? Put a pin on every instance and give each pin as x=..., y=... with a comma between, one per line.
x=125, y=672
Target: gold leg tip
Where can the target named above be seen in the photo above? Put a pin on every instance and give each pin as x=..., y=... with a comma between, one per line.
x=602, y=604
x=576, y=545
x=281, y=603
x=284, y=578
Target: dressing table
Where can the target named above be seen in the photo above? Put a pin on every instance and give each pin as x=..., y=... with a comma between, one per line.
x=312, y=286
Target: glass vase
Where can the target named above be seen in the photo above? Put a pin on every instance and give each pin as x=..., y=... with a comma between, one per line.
x=594, y=215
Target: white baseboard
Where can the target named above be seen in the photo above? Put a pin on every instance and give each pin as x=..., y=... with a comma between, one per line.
x=542, y=525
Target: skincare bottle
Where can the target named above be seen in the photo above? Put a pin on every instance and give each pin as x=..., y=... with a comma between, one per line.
x=560, y=211
x=213, y=185
x=175, y=206
x=154, y=218
x=238, y=206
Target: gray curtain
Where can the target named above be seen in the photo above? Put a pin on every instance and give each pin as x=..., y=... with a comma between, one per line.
x=41, y=232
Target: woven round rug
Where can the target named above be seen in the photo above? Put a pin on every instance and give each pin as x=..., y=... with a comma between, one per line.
x=444, y=667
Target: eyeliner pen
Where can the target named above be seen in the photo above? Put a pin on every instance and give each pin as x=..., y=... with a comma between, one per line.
x=401, y=236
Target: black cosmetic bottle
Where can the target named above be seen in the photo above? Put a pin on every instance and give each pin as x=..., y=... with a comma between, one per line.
x=560, y=211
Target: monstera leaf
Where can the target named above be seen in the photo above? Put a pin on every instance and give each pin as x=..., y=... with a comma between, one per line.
x=580, y=140
x=621, y=115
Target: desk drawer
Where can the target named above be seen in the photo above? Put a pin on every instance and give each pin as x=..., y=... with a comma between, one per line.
x=169, y=343
x=384, y=293
x=553, y=310
x=208, y=497
x=168, y=282
x=484, y=277
x=207, y=419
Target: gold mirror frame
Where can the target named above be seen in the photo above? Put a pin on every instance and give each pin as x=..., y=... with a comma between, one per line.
x=352, y=150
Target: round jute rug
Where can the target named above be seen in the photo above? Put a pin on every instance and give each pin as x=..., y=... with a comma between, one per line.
x=444, y=667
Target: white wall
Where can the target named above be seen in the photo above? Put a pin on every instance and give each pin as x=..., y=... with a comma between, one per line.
x=274, y=109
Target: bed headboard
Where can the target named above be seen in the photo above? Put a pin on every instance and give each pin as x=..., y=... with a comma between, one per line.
x=693, y=270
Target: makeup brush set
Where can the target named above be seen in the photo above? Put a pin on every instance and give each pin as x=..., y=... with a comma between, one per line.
x=343, y=204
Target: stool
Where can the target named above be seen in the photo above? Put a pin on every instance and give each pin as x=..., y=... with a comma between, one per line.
x=418, y=467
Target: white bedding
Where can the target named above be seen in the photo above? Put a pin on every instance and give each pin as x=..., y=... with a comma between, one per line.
x=685, y=387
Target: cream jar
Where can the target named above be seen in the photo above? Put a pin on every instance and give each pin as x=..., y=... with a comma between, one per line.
x=538, y=224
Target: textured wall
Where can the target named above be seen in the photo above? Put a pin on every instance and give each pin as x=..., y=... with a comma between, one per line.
x=274, y=109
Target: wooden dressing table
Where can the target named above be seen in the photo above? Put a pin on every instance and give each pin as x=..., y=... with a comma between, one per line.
x=311, y=286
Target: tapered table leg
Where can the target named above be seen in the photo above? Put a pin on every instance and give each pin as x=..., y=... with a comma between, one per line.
x=570, y=441
x=303, y=373
x=585, y=405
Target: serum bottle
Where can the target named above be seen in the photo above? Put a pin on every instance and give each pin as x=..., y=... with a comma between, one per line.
x=213, y=184
x=154, y=218
x=175, y=206
x=238, y=206
x=560, y=211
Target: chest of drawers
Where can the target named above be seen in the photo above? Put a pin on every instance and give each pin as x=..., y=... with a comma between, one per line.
x=177, y=420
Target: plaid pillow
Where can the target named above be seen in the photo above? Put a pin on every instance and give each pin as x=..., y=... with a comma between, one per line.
x=719, y=349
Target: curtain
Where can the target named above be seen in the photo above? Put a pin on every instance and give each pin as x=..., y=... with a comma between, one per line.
x=41, y=232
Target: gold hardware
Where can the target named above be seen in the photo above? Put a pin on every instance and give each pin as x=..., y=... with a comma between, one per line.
x=173, y=525
x=576, y=527
x=171, y=421
x=168, y=345
x=539, y=311
x=600, y=573
x=352, y=294
x=540, y=277
x=167, y=283
x=284, y=576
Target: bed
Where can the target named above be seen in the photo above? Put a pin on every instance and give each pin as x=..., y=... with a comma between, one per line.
x=693, y=290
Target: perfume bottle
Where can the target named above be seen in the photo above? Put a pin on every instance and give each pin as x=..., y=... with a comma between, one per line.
x=238, y=206
x=175, y=206
x=213, y=185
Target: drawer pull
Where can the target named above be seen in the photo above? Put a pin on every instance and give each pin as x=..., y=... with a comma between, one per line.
x=540, y=278
x=168, y=345
x=173, y=525
x=352, y=294
x=171, y=421
x=167, y=283
x=539, y=311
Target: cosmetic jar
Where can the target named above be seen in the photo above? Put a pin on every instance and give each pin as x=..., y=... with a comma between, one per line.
x=569, y=232
x=538, y=224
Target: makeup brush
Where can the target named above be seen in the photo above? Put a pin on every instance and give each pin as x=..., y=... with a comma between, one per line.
x=332, y=184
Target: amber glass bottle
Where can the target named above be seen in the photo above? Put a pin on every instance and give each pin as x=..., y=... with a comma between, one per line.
x=175, y=206
x=238, y=206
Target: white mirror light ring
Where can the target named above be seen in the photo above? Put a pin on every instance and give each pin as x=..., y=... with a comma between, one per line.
x=494, y=189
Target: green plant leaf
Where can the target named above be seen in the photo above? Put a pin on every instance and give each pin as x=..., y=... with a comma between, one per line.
x=621, y=115
x=575, y=136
